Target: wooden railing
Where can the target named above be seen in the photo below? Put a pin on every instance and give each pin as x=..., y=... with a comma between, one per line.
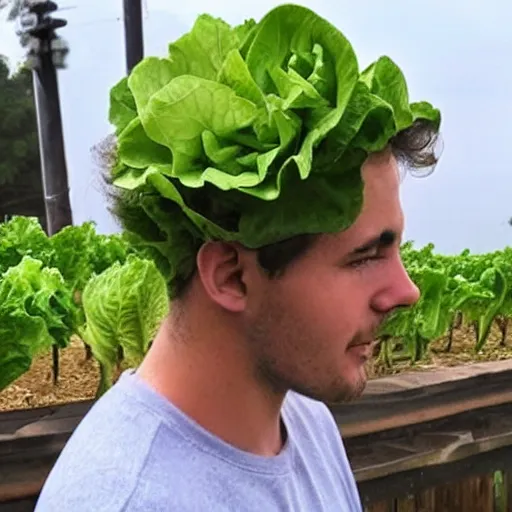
x=485, y=493
x=436, y=442
x=431, y=442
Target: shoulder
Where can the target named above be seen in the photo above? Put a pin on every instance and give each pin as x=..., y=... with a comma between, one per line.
x=101, y=465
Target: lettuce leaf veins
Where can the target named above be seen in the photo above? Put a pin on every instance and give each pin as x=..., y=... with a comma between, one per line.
x=253, y=133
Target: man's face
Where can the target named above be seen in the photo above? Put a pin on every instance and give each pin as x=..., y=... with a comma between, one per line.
x=312, y=329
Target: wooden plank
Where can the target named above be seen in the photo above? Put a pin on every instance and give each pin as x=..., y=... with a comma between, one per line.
x=399, y=417
x=24, y=481
x=478, y=494
x=418, y=397
x=406, y=504
x=419, y=480
x=474, y=494
x=18, y=506
x=422, y=502
x=382, y=506
x=507, y=491
x=12, y=422
x=425, y=500
x=434, y=449
x=447, y=498
x=419, y=380
x=431, y=444
x=23, y=448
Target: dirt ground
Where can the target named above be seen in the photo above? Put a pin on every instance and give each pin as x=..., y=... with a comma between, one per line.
x=78, y=380
x=79, y=377
x=462, y=352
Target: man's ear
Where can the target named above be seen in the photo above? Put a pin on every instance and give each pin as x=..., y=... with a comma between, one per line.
x=222, y=268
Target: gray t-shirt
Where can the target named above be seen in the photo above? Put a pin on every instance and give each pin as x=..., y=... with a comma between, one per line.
x=135, y=452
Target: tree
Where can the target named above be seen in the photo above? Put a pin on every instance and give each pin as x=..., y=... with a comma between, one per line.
x=14, y=6
x=21, y=191
x=14, y=10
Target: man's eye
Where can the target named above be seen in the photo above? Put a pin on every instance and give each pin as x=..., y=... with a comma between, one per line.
x=363, y=261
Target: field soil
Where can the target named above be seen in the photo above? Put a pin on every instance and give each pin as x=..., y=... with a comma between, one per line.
x=462, y=353
x=79, y=376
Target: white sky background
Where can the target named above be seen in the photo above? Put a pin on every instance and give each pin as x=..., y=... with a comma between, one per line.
x=454, y=53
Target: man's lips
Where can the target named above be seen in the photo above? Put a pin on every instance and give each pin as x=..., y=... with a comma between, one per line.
x=363, y=350
x=362, y=343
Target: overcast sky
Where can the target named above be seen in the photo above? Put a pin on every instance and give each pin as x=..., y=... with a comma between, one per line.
x=454, y=53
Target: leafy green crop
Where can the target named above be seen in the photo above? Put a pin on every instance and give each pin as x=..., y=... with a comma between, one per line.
x=36, y=312
x=473, y=286
x=22, y=236
x=253, y=133
x=122, y=297
x=42, y=285
x=124, y=307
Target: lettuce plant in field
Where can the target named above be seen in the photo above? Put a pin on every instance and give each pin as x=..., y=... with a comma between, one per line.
x=123, y=306
x=253, y=133
x=36, y=313
x=23, y=236
x=41, y=280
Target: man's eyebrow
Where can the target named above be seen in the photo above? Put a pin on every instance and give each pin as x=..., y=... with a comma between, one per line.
x=385, y=239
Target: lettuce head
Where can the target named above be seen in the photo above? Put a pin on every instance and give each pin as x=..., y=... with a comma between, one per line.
x=252, y=133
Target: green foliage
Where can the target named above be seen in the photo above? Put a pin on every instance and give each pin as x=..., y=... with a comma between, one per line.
x=36, y=312
x=21, y=190
x=253, y=133
x=476, y=286
x=110, y=294
x=18, y=130
x=124, y=307
x=43, y=280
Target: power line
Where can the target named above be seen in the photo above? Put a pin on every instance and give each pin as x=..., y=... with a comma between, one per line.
x=97, y=21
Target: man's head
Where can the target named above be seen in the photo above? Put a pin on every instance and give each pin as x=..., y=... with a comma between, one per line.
x=307, y=309
x=310, y=328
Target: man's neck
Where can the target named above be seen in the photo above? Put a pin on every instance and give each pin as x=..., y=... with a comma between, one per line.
x=212, y=381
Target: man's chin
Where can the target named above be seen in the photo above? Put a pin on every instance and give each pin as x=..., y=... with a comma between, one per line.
x=346, y=394
x=352, y=391
x=337, y=393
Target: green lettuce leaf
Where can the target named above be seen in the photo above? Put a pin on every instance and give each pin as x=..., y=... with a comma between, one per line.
x=256, y=132
x=36, y=312
x=22, y=236
x=124, y=306
x=202, y=51
x=72, y=248
x=122, y=108
x=177, y=115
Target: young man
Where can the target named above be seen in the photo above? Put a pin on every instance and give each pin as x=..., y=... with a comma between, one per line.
x=278, y=283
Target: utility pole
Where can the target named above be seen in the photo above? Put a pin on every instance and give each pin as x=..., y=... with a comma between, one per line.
x=47, y=52
x=133, y=33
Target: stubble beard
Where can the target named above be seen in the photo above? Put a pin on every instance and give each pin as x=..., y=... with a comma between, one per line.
x=278, y=382
x=349, y=393
x=279, y=376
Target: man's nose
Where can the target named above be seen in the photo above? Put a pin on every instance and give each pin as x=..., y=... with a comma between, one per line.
x=401, y=291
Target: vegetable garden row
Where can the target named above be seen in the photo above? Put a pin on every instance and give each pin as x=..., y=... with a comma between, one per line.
x=108, y=293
